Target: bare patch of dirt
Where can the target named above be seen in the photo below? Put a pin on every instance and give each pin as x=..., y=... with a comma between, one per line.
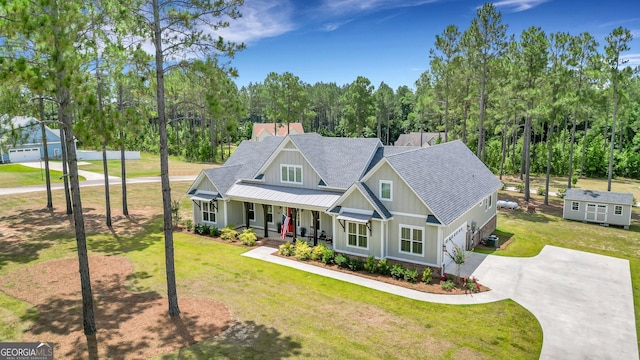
x=130, y=326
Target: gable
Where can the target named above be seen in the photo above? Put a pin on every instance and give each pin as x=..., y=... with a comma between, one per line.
x=404, y=198
x=202, y=182
x=448, y=178
x=288, y=155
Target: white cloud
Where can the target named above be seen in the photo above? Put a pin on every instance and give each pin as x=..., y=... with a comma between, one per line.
x=633, y=60
x=518, y=5
x=331, y=11
x=260, y=19
x=344, y=7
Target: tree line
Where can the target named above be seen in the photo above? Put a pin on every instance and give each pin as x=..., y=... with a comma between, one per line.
x=151, y=75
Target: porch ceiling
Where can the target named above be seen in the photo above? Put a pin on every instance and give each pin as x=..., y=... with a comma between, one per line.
x=283, y=196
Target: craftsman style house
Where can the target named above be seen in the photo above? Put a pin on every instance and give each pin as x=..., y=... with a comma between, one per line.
x=403, y=203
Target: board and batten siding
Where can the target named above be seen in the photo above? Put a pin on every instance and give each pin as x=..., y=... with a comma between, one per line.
x=205, y=184
x=479, y=213
x=356, y=200
x=374, y=240
x=310, y=178
x=430, y=244
x=403, y=198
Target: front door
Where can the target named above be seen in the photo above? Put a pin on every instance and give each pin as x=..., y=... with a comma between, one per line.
x=596, y=213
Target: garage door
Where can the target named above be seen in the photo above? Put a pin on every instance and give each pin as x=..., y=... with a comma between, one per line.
x=24, y=155
x=457, y=238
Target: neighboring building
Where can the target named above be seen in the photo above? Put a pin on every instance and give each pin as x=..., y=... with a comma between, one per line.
x=28, y=144
x=603, y=207
x=408, y=204
x=421, y=139
x=261, y=131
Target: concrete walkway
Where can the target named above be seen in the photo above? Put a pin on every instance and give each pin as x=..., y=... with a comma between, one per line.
x=583, y=301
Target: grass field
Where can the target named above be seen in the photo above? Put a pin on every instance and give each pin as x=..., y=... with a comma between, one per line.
x=148, y=165
x=556, y=183
x=289, y=313
x=14, y=175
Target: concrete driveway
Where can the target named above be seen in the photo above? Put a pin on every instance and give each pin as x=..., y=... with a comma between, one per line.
x=583, y=301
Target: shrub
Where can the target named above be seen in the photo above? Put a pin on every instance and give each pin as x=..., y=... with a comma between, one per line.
x=447, y=285
x=248, y=237
x=303, y=250
x=201, y=229
x=397, y=271
x=188, y=224
x=318, y=251
x=410, y=275
x=229, y=233
x=383, y=267
x=427, y=276
x=328, y=256
x=175, y=213
x=471, y=284
x=286, y=249
x=214, y=231
x=356, y=264
x=520, y=187
x=574, y=179
x=342, y=261
x=370, y=265
x=541, y=190
x=561, y=192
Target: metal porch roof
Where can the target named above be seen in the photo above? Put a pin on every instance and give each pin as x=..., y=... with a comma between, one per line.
x=281, y=195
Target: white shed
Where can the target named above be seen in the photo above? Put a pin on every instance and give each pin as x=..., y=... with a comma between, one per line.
x=603, y=207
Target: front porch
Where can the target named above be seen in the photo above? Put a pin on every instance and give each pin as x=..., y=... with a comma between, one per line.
x=274, y=239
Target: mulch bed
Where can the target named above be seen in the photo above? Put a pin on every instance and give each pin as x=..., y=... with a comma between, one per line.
x=130, y=325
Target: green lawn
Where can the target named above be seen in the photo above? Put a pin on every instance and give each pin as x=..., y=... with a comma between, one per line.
x=14, y=175
x=556, y=183
x=289, y=313
x=148, y=165
x=531, y=232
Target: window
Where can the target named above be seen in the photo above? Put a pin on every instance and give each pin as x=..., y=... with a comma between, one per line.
x=357, y=235
x=488, y=202
x=411, y=239
x=386, y=190
x=270, y=214
x=251, y=210
x=617, y=210
x=291, y=174
x=575, y=206
x=208, y=212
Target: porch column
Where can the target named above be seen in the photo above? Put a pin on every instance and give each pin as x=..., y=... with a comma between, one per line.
x=315, y=215
x=264, y=214
x=246, y=214
x=294, y=218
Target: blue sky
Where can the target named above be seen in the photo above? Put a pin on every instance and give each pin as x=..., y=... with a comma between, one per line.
x=389, y=40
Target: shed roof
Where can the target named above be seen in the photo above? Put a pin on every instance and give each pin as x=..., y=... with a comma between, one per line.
x=284, y=195
x=608, y=197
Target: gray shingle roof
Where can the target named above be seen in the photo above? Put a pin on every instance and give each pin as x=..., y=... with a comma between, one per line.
x=243, y=163
x=339, y=161
x=450, y=178
x=599, y=196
